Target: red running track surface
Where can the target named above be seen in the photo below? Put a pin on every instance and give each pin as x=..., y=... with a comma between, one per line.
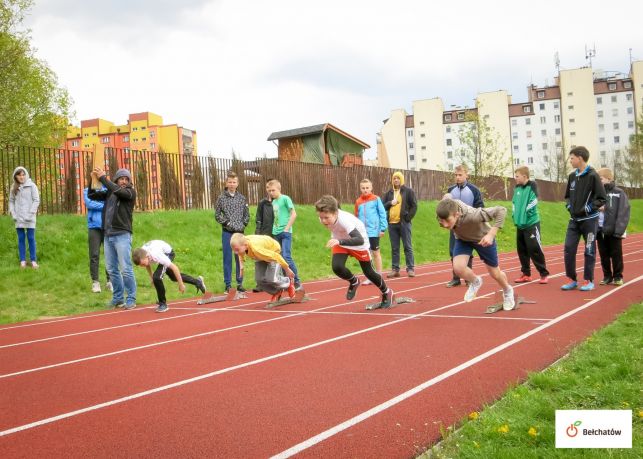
x=320, y=379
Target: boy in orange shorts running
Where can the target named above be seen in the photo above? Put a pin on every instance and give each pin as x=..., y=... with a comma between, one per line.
x=349, y=237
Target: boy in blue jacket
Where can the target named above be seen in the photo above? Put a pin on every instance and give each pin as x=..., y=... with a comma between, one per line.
x=370, y=210
x=95, y=238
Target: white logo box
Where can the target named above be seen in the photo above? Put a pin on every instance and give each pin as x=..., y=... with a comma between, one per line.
x=593, y=428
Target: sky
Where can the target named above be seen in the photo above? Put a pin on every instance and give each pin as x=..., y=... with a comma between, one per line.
x=236, y=71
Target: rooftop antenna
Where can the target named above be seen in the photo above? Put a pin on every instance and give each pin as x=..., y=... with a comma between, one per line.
x=557, y=62
x=630, y=57
x=590, y=53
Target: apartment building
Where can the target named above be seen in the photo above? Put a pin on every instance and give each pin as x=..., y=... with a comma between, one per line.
x=584, y=107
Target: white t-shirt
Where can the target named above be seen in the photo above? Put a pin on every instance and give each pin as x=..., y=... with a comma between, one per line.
x=344, y=225
x=158, y=251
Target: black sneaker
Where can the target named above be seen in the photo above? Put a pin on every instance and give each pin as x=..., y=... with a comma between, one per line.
x=454, y=283
x=297, y=285
x=162, y=307
x=240, y=289
x=257, y=290
x=201, y=287
x=227, y=289
x=352, y=289
x=387, y=299
x=116, y=304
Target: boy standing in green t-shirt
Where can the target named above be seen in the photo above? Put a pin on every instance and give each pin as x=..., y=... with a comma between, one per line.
x=527, y=221
x=284, y=217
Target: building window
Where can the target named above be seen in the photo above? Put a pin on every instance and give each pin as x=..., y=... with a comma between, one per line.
x=559, y=144
x=409, y=133
x=411, y=145
x=627, y=84
x=449, y=154
x=422, y=135
x=599, y=101
x=557, y=118
x=86, y=145
x=423, y=160
x=614, y=99
x=449, y=142
x=630, y=124
x=126, y=138
x=517, y=162
x=460, y=116
x=152, y=145
x=143, y=128
x=611, y=86
x=528, y=133
x=423, y=147
x=542, y=106
x=85, y=135
x=529, y=147
x=570, y=94
x=448, y=129
x=447, y=117
x=543, y=132
x=105, y=140
x=615, y=112
x=152, y=133
x=526, y=109
x=572, y=134
x=516, y=148
x=74, y=143
x=557, y=131
x=411, y=158
x=530, y=160
x=544, y=146
x=599, y=113
x=514, y=135
x=134, y=129
x=601, y=140
x=615, y=126
x=545, y=157
x=556, y=105
x=543, y=120
x=628, y=97
x=630, y=110
x=527, y=121
x=617, y=139
x=572, y=120
x=570, y=107
x=601, y=127
x=421, y=123
x=603, y=154
x=514, y=122
x=540, y=94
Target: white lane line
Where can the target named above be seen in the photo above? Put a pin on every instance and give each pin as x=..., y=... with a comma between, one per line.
x=299, y=313
x=431, y=382
x=310, y=442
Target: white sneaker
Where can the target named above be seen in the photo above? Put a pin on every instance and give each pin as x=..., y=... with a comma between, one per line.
x=96, y=287
x=109, y=286
x=508, y=299
x=366, y=282
x=472, y=291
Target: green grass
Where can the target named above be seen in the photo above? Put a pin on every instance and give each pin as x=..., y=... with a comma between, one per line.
x=62, y=285
x=604, y=372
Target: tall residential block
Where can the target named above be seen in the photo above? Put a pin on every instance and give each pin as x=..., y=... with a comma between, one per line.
x=584, y=107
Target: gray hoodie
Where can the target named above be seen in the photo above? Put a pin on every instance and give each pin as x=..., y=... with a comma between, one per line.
x=23, y=205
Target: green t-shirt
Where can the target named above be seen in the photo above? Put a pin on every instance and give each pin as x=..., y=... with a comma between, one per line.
x=281, y=208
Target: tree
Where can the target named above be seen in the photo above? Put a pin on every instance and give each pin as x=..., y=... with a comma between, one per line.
x=34, y=109
x=555, y=164
x=482, y=149
x=633, y=162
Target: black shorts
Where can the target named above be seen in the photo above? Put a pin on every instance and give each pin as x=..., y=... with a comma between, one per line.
x=374, y=242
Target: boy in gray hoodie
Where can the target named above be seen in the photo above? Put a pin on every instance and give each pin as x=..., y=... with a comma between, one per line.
x=24, y=200
x=472, y=231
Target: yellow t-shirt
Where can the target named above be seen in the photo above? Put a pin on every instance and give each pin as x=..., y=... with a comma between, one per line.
x=394, y=211
x=264, y=248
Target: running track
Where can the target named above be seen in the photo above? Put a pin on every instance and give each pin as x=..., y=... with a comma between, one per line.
x=319, y=379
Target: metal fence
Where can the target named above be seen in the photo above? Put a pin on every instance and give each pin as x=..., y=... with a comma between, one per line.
x=173, y=181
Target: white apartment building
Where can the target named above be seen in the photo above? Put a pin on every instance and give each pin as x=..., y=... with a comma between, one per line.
x=593, y=109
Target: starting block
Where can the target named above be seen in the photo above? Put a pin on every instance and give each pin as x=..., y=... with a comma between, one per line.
x=497, y=306
x=230, y=296
x=396, y=300
x=300, y=297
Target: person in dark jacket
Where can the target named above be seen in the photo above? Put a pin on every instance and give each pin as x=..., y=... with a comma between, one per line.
x=467, y=192
x=95, y=238
x=584, y=195
x=264, y=221
x=120, y=198
x=401, y=206
x=232, y=213
x=527, y=220
x=612, y=225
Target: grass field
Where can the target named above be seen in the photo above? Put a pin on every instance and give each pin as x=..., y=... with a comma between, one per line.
x=602, y=373
x=62, y=285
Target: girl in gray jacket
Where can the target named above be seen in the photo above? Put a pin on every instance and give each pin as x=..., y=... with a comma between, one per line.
x=24, y=200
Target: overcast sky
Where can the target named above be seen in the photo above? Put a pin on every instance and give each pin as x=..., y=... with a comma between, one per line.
x=235, y=71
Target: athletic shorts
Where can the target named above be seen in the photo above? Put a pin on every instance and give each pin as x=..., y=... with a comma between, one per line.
x=489, y=255
x=374, y=242
x=361, y=255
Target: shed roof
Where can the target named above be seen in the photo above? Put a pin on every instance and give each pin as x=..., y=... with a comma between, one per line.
x=316, y=129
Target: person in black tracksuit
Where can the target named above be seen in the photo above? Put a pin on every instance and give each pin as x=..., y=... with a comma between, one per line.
x=584, y=196
x=263, y=222
x=612, y=224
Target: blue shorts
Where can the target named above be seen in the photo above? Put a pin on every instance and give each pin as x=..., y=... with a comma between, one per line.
x=489, y=255
x=374, y=242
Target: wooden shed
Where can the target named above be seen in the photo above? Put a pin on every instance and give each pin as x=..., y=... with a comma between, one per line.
x=320, y=144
